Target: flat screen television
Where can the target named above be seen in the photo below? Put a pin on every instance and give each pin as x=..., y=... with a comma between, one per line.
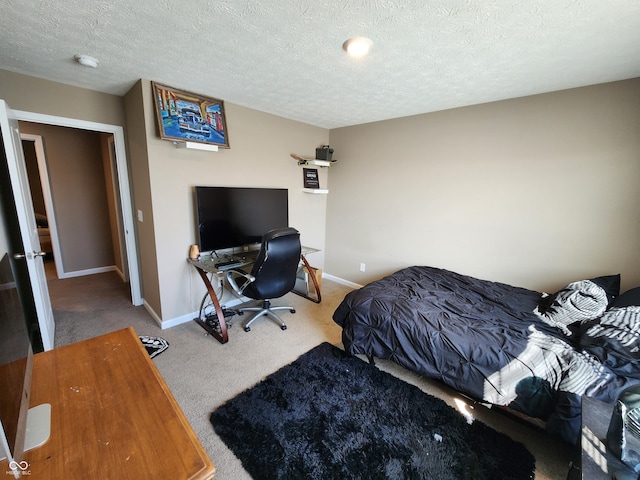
x=230, y=217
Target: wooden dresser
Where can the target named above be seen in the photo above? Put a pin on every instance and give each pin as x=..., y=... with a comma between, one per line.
x=112, y=416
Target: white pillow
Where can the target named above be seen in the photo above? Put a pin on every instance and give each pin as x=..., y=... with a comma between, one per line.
x=577, y=302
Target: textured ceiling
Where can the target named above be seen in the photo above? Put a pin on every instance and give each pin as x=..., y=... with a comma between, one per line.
x=285, y=56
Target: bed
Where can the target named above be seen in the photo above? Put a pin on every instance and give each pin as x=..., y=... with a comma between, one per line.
x=534, y=353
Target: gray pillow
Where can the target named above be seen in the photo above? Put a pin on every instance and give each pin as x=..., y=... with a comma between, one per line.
x=628, y=298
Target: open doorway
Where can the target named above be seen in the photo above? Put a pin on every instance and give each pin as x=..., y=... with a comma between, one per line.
x=72, y=178
x=114, y=187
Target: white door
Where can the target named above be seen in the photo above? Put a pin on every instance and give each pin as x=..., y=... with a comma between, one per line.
x=32, y=255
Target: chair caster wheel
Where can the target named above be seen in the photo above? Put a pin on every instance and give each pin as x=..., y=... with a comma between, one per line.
x=293, y=310
x=247, y=329
x=283, y=327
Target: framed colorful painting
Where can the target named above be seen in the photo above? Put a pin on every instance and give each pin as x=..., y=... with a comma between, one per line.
x=188, y=117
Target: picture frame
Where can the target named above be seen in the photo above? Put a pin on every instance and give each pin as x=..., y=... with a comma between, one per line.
x=189, y=117
x=310, y=177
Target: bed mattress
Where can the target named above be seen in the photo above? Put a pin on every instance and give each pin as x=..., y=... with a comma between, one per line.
x=483, y=338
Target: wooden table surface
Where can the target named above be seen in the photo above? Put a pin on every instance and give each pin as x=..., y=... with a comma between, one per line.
x=112, y=416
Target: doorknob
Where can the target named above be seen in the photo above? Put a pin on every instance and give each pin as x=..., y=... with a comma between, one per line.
x=20, y=256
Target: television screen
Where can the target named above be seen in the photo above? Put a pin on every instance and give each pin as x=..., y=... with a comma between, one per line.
x=229, y=217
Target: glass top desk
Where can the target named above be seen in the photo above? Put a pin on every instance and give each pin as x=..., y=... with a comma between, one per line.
x=205, y=265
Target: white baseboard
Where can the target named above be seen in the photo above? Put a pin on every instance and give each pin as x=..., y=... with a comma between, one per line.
x=168, y=323
x=190, y=316
x=152, y=312
x=120, y=273
x=89, y=271
x=178, y=320
x=341, y=281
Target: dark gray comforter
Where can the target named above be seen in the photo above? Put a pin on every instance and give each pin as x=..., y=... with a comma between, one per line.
x=480, y=337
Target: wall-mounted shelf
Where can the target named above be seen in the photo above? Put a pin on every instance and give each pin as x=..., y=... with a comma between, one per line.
x=196, y=146
x=315, y=190
x=312, y=161
x=317, y=163
x=308, y=161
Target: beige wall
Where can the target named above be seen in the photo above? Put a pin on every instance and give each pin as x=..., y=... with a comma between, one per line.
x=259, y=156
x=162, y=176
x=536, y=191
x=141, y=186
x=31, y=94
x=78, y=190
x=40, y=96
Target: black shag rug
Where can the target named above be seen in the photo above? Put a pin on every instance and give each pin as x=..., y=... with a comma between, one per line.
x=331, y=416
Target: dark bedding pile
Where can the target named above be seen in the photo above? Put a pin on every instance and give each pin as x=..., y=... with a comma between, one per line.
x=486, y=339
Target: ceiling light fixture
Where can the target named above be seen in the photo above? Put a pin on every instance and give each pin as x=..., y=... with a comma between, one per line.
x=357, y=47
x=86, y=61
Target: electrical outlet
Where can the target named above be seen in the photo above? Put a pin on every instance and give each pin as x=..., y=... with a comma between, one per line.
x=363, y=267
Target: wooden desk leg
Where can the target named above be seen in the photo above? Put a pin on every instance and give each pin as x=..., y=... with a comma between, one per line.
x=223, y=336
x=313, y=279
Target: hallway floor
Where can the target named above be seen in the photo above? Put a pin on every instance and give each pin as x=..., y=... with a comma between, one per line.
x=91, y=305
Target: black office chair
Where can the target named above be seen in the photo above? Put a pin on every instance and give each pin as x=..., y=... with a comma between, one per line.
x=272, y=276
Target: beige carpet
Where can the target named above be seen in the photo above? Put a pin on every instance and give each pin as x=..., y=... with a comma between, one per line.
x=202, y=373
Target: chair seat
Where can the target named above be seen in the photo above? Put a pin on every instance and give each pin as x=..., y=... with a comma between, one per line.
x=273, y=274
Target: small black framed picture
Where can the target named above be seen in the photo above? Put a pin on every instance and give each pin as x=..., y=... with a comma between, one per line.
x=311, y=178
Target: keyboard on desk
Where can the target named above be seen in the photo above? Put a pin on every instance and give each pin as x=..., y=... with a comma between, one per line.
x=249, y=256
x=228, y=264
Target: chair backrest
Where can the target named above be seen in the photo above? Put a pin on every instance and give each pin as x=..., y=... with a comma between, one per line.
x=276, y=266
